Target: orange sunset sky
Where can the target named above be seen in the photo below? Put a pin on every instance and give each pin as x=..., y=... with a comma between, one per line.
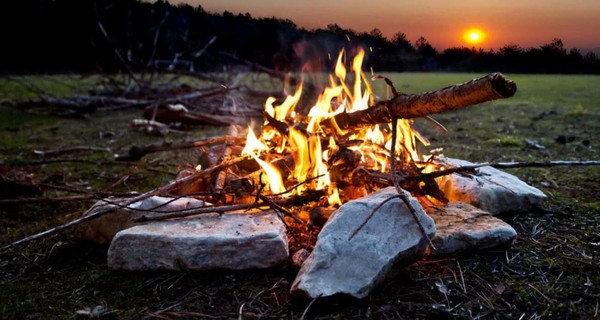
x=528, y=23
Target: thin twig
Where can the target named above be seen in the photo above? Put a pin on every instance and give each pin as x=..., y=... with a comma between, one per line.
x=470, y=168
x=137, y=152
x=501, y=165
x=102, y=163
x=506, y=165
x=462, y=277
x=401, y=193
x=69, y=150
x=308, y=307
x=202, y=210
x=541, y=293
x=279, y=208
x=364, y=223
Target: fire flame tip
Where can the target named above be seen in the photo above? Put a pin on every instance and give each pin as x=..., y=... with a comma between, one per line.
x=313, y=146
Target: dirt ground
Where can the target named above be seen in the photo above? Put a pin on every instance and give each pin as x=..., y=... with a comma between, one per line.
x=551, y=271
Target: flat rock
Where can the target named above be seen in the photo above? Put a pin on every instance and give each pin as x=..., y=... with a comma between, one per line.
x=230, y=241
x=462, y=227
x=387, y=242
x=489, y=189
x=103, y=229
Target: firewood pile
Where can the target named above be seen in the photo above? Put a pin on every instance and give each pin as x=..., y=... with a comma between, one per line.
x=347, y=145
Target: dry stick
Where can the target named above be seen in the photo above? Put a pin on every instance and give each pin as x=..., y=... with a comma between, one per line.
x=160, y=190
x=103, y=163
x=90, y=103
x=276, y=204
x=491, y=87
x=303, y=316
x=506, y=165
x=400, y=195
x=202, y=210
x=137, y=152
x=364, y=223
x=220, y=209
x=279, y=208
x=435, y=174
x=68, y=189
x=84, y=195
x=501, y=165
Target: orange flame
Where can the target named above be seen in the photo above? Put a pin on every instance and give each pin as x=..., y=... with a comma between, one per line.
x=253, y=148
x=305, y=145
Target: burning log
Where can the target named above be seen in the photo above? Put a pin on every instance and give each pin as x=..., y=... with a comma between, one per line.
x=491, y=87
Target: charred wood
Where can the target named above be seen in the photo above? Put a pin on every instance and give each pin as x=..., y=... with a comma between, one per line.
x=56, y=152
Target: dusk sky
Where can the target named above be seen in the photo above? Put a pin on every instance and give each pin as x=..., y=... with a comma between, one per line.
x=528, y=23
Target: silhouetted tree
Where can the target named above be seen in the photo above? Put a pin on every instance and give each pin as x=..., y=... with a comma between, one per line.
x=64, y=36
x=427, y=54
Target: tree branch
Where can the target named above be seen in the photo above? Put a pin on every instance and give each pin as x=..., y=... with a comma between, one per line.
x=491, y=87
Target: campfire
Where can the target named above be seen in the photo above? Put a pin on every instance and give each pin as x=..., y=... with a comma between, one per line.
x=322, y=158
x=344, y=146
x=346, y=164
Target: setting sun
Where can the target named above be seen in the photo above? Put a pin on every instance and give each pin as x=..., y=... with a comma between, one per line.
x=474, y=36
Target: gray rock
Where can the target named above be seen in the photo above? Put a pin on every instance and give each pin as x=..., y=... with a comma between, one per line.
x=490, y=189
x=390, y=240
x=229, y=241
x=461, y=227
x=103, y=229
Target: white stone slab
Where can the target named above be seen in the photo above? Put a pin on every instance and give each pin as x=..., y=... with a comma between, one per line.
x=462, y=227
x=390, y=240
x=230, y=241
x=489, y=189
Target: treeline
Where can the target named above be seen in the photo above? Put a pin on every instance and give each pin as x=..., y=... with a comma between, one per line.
x=109, y=35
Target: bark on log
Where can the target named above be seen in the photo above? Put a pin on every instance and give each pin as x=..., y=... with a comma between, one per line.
x=491, y=87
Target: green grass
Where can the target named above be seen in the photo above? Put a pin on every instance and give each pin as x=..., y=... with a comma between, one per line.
x=551, y=271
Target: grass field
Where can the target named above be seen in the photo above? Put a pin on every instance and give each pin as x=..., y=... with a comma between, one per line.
x=552, y=271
